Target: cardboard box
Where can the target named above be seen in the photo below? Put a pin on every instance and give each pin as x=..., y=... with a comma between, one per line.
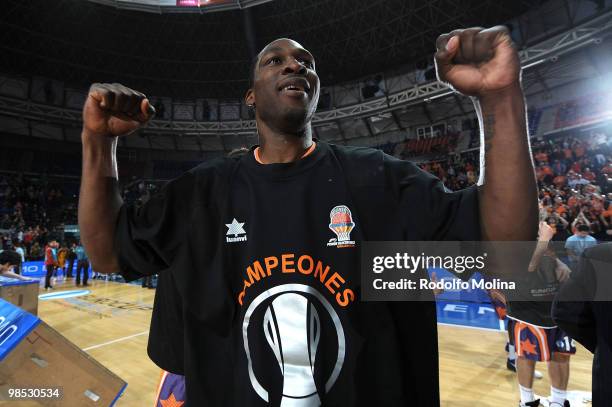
x=24, y=294
x=35, y=356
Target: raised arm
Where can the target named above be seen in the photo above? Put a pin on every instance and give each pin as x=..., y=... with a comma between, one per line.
x=111, y=110
x=562, y=220
x=483, y=64
x=545, y=233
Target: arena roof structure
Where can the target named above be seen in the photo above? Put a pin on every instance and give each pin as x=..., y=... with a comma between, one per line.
x=49, y=60
x=180, y=6
x=208, y=54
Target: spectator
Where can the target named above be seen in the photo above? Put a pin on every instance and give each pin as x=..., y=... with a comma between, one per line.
x=581, y=240
x=36, y=251
x=62, y=255
x=50, y=262
x=9, y=262
x=71, y=257
x=82, y=264
x=18, y=247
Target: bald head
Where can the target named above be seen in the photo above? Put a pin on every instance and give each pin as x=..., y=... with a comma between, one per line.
x=284, y=86
x=272, y=46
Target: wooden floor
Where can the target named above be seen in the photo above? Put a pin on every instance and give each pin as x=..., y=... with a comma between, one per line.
x=112, y=324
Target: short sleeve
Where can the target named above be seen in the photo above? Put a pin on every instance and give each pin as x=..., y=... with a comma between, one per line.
x=147, y=238
x=430, y=211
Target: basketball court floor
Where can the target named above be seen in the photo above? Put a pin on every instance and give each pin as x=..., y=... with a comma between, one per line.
x=110, y=321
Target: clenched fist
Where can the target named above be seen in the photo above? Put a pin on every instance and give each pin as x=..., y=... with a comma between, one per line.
x=115, y=110
x=478, y=61
x=545, y=232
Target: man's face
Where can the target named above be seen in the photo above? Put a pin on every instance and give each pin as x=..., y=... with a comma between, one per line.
x=6, y=267
x=286, y=86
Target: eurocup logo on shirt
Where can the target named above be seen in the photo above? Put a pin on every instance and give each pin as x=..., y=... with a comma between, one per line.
x=341, y=223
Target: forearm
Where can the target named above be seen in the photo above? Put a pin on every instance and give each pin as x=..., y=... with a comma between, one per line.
x=574, y=223
x=537, y=255
x=508, y=189
x=562, y=266
x=11, y=274
x=99, y=201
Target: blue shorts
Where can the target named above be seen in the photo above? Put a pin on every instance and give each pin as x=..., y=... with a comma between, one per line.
x=171, y=390
x=537, y=343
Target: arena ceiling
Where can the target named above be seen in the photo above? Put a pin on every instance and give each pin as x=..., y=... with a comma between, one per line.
x=208, y=55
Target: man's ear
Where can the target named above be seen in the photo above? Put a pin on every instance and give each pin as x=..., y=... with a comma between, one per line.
x=249, y=98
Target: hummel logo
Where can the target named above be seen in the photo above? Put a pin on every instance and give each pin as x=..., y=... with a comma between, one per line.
x=235, y=228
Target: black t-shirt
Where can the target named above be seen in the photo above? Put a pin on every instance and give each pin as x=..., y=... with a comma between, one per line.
x=533, y=302
x=265, y=265
x=583, y=308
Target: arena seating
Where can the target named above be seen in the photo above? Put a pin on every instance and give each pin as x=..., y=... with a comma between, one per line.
x=574, y=176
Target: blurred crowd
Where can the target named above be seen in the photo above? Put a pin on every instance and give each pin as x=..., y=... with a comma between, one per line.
x=31, y=210
x=574, y=177
x=34, y=210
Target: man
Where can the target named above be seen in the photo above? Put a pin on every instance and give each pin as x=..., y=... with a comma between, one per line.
x=263, y=249
x=578, y=242
x=10, y=261
x=531, y=329
x=82, y=264
x=499, y=302
x=62, y=255
x=583, y=308
x=71, y=259
x=50, y=262
x=18, y=247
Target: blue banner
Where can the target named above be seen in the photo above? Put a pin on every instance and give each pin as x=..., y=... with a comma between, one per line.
x=37, y=268
x=469, y=295
x=33, y=268
x=469, y=314
x=15, y=324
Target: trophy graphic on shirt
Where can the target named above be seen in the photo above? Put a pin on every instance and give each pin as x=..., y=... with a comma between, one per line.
x=293, y=329
x=341, y=223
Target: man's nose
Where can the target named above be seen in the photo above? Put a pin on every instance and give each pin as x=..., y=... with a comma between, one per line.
x=295, y=66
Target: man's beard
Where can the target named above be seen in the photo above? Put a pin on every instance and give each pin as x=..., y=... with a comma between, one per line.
x=288, y=119
x=295, y=117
